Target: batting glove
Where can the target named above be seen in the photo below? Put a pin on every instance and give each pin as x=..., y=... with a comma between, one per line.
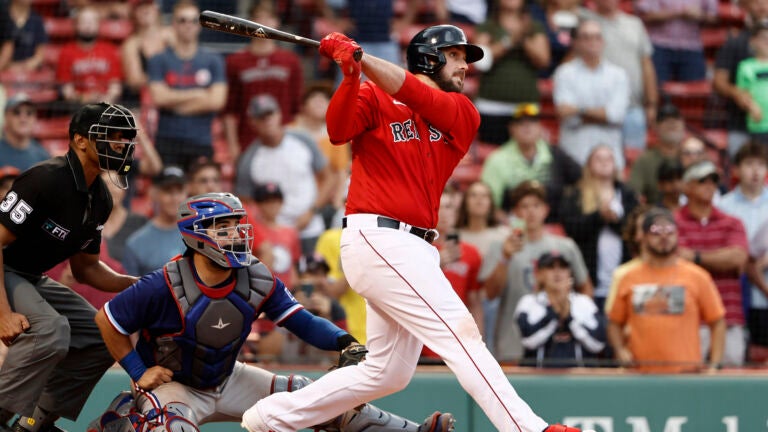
x=341, y=49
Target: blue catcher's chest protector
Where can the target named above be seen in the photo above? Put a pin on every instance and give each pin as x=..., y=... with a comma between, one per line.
x=203, y=354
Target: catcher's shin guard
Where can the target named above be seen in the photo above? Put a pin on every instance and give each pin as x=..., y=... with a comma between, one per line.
x=370, y=418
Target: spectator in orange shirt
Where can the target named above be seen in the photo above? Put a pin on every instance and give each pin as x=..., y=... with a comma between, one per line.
x=664, y=300
x=89, y=70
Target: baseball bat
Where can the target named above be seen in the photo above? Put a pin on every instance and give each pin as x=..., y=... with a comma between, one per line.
x=243, y=27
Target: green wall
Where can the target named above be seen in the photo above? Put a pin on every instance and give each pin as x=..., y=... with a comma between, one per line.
x=611, y=403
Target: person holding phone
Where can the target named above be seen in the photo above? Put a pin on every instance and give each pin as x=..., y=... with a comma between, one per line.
x=510, y=263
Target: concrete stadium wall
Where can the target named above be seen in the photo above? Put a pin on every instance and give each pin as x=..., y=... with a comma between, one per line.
x=606, y=403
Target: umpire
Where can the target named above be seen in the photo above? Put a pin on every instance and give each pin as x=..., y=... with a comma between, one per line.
x=54, y=211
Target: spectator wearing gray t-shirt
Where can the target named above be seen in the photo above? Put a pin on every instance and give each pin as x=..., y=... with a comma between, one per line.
x=510, y=264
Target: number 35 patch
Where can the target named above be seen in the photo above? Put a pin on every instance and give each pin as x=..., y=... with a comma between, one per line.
x=19, y=210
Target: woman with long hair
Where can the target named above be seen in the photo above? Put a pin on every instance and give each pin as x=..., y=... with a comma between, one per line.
x=594, y=213
x=478, y=225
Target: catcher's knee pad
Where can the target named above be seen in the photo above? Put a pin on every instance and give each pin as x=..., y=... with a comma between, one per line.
x=120, y=416
x=281, y=383
x=173, y=417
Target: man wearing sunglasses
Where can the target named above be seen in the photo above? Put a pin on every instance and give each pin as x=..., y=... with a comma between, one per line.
x=188, y=85
x=17, y=146
x=664, y=300
x=718, y=242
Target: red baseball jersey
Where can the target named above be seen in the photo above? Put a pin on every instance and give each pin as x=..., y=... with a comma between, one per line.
x=280, y=74
x=89, y=70
x=404, y=147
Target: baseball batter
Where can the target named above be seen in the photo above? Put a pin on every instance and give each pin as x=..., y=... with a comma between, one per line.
x=408, y=134
x=193, y=316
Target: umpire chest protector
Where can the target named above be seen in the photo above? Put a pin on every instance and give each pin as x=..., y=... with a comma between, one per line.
x=202, y=355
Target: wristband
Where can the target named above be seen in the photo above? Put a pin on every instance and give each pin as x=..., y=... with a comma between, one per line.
x=343, y=341
x=133, y=364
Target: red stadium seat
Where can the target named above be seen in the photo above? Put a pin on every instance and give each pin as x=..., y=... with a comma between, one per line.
x=13, y=78
x=52, y=53
x=730, y=14
x=465, y=174
x=56, y=147
x=52, y=128
x=483, y=150
x=690, y=97
x=59, y=28
x=115, y=30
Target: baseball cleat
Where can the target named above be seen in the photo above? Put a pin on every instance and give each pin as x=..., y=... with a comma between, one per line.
x=438, y=422
x=561, y=428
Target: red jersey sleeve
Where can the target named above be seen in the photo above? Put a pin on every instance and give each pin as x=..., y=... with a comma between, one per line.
x=451, y=113
x=350, y=111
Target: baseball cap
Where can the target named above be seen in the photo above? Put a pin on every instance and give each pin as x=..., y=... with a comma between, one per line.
x=657, y=214
x=170, y=176
x=548, y=259
x=8, y=172
x=526, y=111
x=262, y=105
x=311, y=263
x=700, y=171
x=267, y=191
x=668, y=111
x=18, y=100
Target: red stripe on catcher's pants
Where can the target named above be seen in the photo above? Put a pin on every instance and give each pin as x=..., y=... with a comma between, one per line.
x=479, y=371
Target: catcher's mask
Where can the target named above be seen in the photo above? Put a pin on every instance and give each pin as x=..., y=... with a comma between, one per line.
x=215, y=224
x=112, y=128
x=424, y=54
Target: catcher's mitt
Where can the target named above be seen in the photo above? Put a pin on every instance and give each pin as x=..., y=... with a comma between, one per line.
x=351, y=355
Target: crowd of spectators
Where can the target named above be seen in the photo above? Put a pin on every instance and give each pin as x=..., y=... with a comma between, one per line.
x=596, y=201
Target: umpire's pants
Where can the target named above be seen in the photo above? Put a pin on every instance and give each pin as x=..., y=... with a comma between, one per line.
x=57, y=362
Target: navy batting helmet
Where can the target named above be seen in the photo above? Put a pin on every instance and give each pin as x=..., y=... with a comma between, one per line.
x=424, y=55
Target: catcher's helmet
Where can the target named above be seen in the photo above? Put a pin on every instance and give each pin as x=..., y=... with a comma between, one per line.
x=101, y=123
x=229, y=246
x=424, y=55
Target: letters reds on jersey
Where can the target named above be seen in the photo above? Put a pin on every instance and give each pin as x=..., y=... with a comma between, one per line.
x=399, y=158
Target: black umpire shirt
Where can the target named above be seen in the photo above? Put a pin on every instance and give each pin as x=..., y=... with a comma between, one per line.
x=54, y=214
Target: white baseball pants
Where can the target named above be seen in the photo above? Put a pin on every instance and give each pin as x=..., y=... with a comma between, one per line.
x=410, y=303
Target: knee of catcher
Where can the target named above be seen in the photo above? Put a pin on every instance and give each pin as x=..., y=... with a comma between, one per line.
x=289, y=383
x=174, y=417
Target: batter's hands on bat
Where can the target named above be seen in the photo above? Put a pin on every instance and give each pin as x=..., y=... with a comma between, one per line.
x=341, y=49
x=153, y=377
x=11, y=326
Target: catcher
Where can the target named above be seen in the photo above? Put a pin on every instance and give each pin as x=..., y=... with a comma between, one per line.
x=192, y=317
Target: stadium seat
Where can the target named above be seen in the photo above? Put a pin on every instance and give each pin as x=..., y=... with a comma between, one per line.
x=465, y=174
x=56, y=147
x=482, y=150
x=115, y=30
x=52, y=53
x=15, y=78
x=690, y=97
x=59, y=28
x=730, y=14
x=52, y=128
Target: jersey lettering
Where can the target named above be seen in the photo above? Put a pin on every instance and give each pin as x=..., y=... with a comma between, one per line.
x=405, y=131
x=434, y=134
x=19, y=212
x=55, y=230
